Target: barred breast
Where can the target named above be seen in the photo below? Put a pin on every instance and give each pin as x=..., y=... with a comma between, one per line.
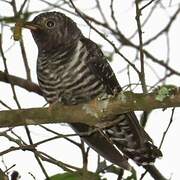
x=64, y=76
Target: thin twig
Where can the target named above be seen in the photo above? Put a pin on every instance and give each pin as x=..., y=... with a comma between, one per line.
x=102, y=35
x=146, y=5
x=113, y=16
x=26, y=65
x=141, y=52
x=101, y=11
x=166, y=131
x=148, y=16
x=5, y=105
x=7, y=72
x=23, y=83
x=17, y=14
x=166, y=28
x=64, y=166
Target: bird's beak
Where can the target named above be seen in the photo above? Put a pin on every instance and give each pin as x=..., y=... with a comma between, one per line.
x=32, y=26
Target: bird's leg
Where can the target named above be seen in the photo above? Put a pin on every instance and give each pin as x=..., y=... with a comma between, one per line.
x=55, y=100
x=51, y=105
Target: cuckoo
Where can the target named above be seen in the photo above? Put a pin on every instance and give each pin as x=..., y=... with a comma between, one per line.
x=72, y=69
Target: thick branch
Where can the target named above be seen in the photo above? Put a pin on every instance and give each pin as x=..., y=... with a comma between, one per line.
x=94, y=111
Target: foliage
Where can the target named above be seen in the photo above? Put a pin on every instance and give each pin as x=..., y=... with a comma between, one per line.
x=75, y=176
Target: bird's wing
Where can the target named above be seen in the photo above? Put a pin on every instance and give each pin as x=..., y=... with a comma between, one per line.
x=127, y=134
x=99, y=66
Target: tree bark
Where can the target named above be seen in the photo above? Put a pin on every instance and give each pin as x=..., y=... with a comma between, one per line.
x=91, y=113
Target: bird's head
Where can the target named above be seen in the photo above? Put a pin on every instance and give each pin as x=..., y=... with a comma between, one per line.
x=52, y=30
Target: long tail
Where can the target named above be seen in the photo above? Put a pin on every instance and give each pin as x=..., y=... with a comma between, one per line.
x=131, y=139
x=124, y=136
x=101, y=145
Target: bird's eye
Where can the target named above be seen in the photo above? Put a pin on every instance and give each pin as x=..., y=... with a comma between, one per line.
x=50, y=24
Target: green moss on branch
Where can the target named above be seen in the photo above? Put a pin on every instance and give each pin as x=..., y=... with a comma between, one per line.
x=95, y=111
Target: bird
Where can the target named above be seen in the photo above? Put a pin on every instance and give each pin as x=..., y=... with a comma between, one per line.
x=72, y=69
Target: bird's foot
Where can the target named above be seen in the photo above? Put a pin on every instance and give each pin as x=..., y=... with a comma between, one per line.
x=51, y=105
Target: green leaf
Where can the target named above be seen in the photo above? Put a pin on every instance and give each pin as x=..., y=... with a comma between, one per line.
x=65, y=176
x=76, y=176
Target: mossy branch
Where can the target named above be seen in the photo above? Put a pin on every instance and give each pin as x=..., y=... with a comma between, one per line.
x=99, y=109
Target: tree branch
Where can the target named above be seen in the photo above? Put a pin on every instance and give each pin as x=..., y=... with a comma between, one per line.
x=23, y=83
x=99, y=109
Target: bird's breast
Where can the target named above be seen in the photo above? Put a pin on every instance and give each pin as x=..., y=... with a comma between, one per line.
x=70, y=82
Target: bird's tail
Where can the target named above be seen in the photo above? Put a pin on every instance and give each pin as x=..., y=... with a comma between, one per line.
x=101, y=145
x=131, y=139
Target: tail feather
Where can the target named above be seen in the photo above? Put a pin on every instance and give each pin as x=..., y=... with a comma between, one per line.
x=131, y=139
x=101, y=145
x=124, y=139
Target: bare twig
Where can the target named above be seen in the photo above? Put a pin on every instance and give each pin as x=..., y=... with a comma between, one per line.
x=101, y=11
x=166, y=28
x=141, y=52
x=23, y=52
x=23, y=83
x=166, y=131
x=113, y=17
x=5, y=105
x=146, y=5
x=7, y=72
x=102, y=35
